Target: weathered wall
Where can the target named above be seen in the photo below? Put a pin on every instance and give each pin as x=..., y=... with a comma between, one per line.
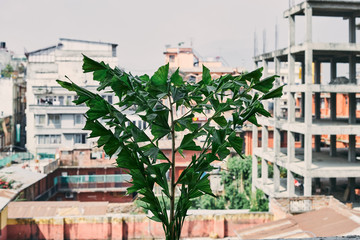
x=128, y=226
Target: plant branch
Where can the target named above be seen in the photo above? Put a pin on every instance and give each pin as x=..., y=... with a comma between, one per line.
x=173, y=184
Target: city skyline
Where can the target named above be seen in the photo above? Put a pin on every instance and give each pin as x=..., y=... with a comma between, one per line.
x=143, y=29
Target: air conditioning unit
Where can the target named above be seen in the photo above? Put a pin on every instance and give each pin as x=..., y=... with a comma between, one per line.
x=69, y=195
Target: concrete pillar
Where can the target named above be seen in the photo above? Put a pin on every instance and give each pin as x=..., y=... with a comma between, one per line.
x=317, y=95
x=308, y=23
x=264, y=171
x=333, y=108
x=307, y=186
x=308, y=150
x=254, y=158
x=265, y=74
x=332, y=184
x=352, y=149
x=291, y=31
x=277, y=137
x=352, y=108
x=276, y=178
x=352, y=30
x=333, y=95
x=302, y=140
x=277, y=83
x=290, y=184
x=352, y=71
x=308, y=64
x=351, y=186
x=302, y=102
x=290, y=147
x=332, y=145
x=264, y=138
x=317, y=72
x=352, y=97
x=277, y=142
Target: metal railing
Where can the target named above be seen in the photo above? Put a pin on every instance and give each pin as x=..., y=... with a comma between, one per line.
x=21, y=156
x=92, y=181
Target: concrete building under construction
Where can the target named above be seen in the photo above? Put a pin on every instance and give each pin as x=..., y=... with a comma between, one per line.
x=312, y=163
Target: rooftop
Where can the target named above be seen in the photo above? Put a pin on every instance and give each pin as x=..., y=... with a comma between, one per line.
x=52, y=209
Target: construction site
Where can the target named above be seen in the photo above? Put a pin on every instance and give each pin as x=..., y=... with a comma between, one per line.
x=315, y=166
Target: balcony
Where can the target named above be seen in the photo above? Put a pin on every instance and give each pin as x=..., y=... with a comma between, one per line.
x=93, y=183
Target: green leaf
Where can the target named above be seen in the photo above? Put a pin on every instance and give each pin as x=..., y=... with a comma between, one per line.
x=253, y=76
x=188, y=143
x=97, y=128
x=221, y=121
x=176, y=79
x=98, y=108
x=236, y=142
x=276, y=93
x=160, y=76
x=206, y=77
x=159, y=131
x=265, y=85
x=126, y=160
x=90, y=65
x=253, y=120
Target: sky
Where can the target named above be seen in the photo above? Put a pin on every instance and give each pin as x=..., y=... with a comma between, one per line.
x=142, y=28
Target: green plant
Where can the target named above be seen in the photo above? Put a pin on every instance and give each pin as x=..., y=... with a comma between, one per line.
x=7, y=71
x=157, y=100
x=236, y=178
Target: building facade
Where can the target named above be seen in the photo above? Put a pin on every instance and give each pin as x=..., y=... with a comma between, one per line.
x=54, y=122
x=312, y=161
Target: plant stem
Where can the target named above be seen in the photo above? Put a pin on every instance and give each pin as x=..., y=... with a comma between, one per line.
x=172, y=194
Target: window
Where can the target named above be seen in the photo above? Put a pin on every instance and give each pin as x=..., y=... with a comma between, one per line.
x=68, y=100
x=192, y=79
x=49, y=139
x=171, y=58
x=358, y=104
x=80, y=138
x=297, y=137
x=139, y=124
x=110, y=99
x=61, y=100
x=144, y=125
x=78, y=119
x=54, y=119
x=39, y=119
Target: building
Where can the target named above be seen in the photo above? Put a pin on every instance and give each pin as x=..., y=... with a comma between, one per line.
x=312, y=162
x=190, y=66
x=12, y=97
x=54, y=122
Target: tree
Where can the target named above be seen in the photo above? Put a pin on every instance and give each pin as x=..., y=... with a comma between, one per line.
x=7, y=71
x=157, y=100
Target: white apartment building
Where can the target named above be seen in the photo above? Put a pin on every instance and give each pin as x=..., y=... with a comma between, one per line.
x=54, y=122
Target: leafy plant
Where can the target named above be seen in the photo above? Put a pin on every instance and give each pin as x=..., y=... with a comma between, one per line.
x=236, y=178
x=7, y=71
x=157, y=100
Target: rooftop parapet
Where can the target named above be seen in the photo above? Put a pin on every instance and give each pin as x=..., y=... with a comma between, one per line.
x=330, y=8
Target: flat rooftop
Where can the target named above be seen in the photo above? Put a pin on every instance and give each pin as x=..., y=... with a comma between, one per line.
x=56, y=208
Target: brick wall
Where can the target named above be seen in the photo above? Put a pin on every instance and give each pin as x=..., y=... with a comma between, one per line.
x=129, y=226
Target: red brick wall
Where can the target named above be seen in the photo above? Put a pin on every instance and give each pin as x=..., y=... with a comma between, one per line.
x=129, y=227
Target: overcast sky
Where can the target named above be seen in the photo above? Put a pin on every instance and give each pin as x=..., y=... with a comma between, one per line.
x=143, y=28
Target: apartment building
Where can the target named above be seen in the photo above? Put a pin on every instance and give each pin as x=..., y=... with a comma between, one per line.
x=54, y=122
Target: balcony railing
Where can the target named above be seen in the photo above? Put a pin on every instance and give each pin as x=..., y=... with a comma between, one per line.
x=83, y=182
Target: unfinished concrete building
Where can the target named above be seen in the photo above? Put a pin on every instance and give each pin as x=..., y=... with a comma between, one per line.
x=312, y=164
